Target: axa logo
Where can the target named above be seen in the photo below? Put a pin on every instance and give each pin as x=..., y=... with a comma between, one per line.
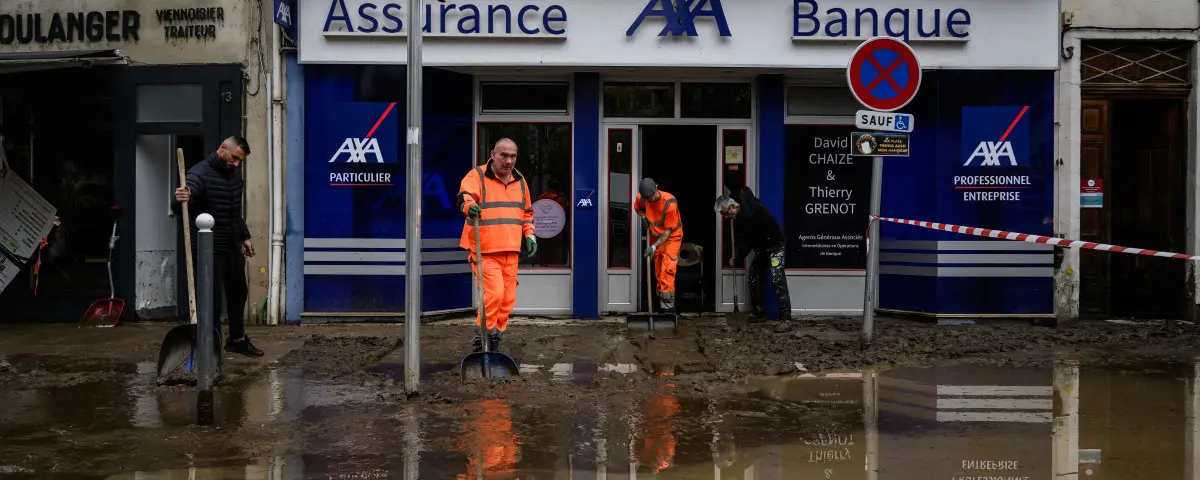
x=363, y=149
x=1009, y=149
x=283, y=14
x=681, y=15
x=584, y=203
x=991, y=153
x=356, y=150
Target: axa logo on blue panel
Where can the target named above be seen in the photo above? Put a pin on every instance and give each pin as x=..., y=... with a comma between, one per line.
x=995, y=136
x=681, y=15
x=364, y=144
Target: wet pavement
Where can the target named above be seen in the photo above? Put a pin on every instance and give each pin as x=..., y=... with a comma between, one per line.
x=960, y=422
x=959, y=403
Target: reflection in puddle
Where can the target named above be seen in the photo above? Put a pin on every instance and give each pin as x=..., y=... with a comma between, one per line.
x=280, y=395
x=956, y=422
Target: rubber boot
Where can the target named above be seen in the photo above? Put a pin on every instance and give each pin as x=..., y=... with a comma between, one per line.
x=476, y=344
x=494, y=341
x=666, y=302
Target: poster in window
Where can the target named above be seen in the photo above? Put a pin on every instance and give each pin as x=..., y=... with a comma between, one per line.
x=829, y=194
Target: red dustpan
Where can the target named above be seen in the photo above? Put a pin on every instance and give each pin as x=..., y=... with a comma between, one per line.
x=105, y=312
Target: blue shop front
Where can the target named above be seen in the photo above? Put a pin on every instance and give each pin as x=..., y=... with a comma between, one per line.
x=717, y=96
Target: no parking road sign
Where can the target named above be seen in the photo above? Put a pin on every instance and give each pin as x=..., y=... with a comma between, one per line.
x=884, y=74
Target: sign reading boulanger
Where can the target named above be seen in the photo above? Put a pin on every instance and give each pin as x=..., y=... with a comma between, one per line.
x=163, y=32
x=70, y=27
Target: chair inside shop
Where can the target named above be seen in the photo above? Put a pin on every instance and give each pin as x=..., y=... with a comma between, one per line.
x=689, y=279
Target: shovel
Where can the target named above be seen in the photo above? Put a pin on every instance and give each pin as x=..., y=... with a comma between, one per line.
x=737, y=319
x=485, y=364
x=106, y=312
x=665, y=325
x=178, y=345
x=177, y=348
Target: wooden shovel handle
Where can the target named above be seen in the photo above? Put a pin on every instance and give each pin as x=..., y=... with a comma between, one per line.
x=187, y=239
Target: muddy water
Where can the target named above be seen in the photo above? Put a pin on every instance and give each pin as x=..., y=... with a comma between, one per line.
x=960, y=422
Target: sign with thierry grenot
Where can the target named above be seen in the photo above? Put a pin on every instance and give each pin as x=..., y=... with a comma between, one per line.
x=875, y=144
x=826, y=218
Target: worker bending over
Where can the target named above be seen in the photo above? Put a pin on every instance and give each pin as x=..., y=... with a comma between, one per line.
x=660, y=211
x=755, y=229
x=497, y=196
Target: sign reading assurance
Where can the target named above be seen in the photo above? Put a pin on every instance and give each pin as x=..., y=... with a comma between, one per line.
x=826, y=219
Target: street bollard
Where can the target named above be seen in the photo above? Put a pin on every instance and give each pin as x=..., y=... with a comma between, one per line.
x=204, y=324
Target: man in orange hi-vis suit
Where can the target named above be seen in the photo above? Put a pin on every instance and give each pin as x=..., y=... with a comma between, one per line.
x=497, y=195
x=660, y=212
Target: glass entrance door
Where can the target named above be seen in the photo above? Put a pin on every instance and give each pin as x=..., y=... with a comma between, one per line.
x=621, y=268
x=736, y=161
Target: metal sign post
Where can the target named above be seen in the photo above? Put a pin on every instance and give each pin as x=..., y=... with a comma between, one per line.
x=884, y=75
x=412, y=249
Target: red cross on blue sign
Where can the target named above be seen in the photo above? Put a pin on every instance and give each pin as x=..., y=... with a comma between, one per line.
x=884, y=74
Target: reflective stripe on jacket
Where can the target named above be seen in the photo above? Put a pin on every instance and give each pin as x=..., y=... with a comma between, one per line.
x=506, y=215
x=662, y=215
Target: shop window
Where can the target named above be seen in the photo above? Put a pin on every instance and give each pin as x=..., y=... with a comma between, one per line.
x=446, y=93
x=820, y=101
x=170, y=103
x=639, y=100
x=825, y=218
x=525, y=97
x=620, y=193
x=715, y=100
x=544, y=158
x=733, y=178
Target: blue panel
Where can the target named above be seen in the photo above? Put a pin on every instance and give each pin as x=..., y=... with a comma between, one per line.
x=909, y=184
x=996, y=296
x=982, y=156
x=771, y=105
x=585, y=302
x=294, y=225
x=896, y=293
x=355, y=190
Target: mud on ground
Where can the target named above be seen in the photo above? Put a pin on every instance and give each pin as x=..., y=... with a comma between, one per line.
x=357, y=370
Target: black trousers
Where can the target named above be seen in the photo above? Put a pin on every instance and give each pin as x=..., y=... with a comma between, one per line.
x=229, y=275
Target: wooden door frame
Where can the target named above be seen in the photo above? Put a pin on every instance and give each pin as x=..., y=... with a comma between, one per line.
x=222, y=110
x=1109, y=96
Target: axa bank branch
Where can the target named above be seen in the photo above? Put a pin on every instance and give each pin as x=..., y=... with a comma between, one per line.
x=700, y=96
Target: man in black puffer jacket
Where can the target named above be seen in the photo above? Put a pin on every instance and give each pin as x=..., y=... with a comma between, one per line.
x=757, y=230
x=214, y=186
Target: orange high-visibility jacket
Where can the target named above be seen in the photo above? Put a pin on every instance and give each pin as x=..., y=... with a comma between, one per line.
x=506, y=215
x=662, y=215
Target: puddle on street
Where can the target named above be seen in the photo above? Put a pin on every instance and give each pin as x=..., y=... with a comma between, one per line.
x=953, y=422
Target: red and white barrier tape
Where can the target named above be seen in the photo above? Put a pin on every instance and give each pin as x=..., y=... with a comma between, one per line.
x=1025, y=237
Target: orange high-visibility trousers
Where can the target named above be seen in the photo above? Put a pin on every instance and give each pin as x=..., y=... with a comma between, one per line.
x=657, y=449
x=499, y=287
x=666, y=258
x=488, y=440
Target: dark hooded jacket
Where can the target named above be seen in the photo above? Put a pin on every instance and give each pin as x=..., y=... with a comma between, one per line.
x=217, y=190
x=756, y=229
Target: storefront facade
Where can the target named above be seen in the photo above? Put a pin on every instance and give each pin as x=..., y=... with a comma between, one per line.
x=597, y=97
x=1127, y=106
x=95, y=98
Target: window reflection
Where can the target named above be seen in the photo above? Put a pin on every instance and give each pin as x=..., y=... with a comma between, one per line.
x=620, y=184
x=544, y=158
